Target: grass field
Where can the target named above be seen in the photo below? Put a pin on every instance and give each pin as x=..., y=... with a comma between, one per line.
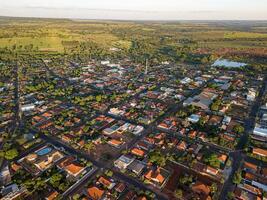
x=43, y=43
x=54, y=43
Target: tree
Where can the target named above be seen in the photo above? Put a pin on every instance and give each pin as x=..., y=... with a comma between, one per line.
x=201, y=121
x=178, y=193
x=63, y=186
x=215, y=105
x=2, y=154
x=55, y=180
x=86, y=128
x=204, y=60
x=230, y=195
x=213, y=188
x=181, y=114
x=157, y=158
x=11, y=154
x=186, y=180
x=76, y=197
x=239, y=129
x=98, y=98
x=191, y=108
x=89, y=146
x=237, y=177
x=39, y=184
x=212, y=160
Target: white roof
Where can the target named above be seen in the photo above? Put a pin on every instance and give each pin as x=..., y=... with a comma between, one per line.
x=259, y=185
x=260, y=131
x=125, y=159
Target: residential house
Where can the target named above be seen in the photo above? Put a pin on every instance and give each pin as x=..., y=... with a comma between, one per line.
x=182, y=146
x=95, y=193
x=201, y=188
x=74, y=170
x=250, y=166
x=212, y=171
x=215, y=120
x=260, y=152
x=157, y=176
x=27, y=107
x=120, y=187
x=138, y=152
x=222, y=158
x=123, y=162
x=251, y=95
x=137, y=167
x=5, y=177
x=52, y=196
x=115, y=143
x=107, y=183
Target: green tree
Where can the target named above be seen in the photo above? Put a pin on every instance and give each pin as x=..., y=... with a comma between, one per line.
x=181, y=114
x=89, y=146
x=212, y=160
x=55, y=180
x=237, y=177
x=186, y=180
x=213, y=188
x=230, y=195
x=178, y=193
x=204, y=60
x=63, y=186
x=239, y=129
x=98, y=98
x=11, y=154
x=157, y=158
x=39, y=184
x=76, y=197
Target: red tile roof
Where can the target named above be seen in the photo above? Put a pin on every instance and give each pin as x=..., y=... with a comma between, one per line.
x=95, y=193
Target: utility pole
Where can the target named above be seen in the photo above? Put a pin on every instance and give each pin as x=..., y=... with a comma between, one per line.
x=146, y=67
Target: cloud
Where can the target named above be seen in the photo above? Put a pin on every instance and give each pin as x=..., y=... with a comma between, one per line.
x=55, y=11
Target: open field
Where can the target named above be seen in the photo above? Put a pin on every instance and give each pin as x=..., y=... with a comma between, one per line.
x=190, y=41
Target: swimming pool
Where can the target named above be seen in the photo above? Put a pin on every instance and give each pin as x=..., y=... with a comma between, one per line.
x=44, y=151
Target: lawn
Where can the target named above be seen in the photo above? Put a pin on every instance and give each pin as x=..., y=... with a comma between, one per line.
x=43, y=43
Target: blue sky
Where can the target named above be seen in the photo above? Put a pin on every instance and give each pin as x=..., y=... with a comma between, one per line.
x=138, y=9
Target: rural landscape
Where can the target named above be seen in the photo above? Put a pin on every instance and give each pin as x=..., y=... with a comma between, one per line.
x=133, y=110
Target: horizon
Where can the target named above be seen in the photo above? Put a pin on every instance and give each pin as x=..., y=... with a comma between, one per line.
x=159, y=10
x=135, y=20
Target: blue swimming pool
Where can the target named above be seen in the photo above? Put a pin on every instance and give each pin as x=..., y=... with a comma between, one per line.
x=44, y=151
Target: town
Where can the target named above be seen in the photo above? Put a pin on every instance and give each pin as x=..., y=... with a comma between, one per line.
x=116, y=129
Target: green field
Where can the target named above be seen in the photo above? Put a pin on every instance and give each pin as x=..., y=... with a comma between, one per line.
x=157, y=40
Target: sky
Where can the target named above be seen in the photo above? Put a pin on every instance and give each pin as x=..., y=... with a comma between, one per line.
x=138, y=9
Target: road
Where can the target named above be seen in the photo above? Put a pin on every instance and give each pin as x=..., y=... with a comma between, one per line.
x=17, y=113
